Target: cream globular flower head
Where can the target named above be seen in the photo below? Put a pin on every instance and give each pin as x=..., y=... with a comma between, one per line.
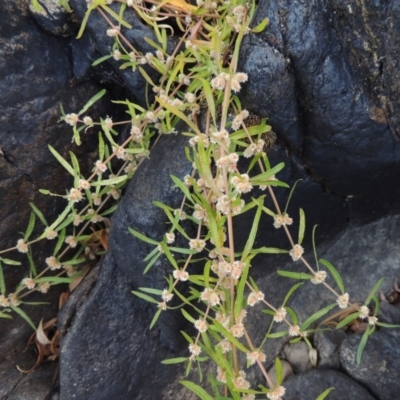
x=343, y=301
x=201, y=325
x=53, y=263
x=22, y=247
x=296, y=252
x=162, y=305
x=71, y=241
x=319, y=277
x=194, y=349
x=113, y=32
x=71, y=119
x=197, y=244
x=170, y=237
x=225, y=345
x=364, y=312
x=4, y=302
x=237, y=330
x=51, y=234
x=13, y=299
x=282, y=219
x=294, y=330
x=280, y=314
x=242, y=183
x=254, y=298
x=210, y=296
x=180, y=275
x=44, y=287
x=240, y=381
x=100, y=167
x=75, y=195
x=276, y=393
x=167, y=295
x=29, y=283
x=372, y=320
x=254, y=356
x=83, y=184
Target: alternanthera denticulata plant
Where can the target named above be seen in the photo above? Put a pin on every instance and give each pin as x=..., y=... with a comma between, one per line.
x=198, y=79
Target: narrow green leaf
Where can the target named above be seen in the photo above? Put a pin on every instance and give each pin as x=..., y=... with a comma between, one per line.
x=240, y=289
x=210, y=99
x=9, y=261
x=294, y=275
x=142, y=237
x=187, y=316
x=94, y=99
x=24, y=316
x=60, y=242
x=32, y=267
x=291, y=194
x=316, y=316
x=261, y=26
x=157, y=292
x=36, y=6
x=85, y=20
x=100, y=60
x=276, y=335
x=302, y=226
x=363, y=342
x=39, y=214
x=180, y=115
x=334, y=273
x=315, y=247
x=31, y=225
x=254, y=228
x=55, y=280
x=374, y=290
x=347, y=320
x=265, y=175
x=45, y=191
x=291, y=291
x=279, y=371
x=151, y=263
x=112, y=181
x=169, y=255
x=2, y=282
x=196, y=389
x=155, y=318
x=116, y=16
x=61, y=160
x=177, y=360
x=269, y=250
x=385, y=325
x=145, y=297
x=59, y=219
x=323, y=395
x=182, y=187
x=293, y=315
x=4, y=315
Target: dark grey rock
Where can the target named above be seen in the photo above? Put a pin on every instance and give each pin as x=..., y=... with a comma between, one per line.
x=379, y=370
x=327, y=343
x=324, y=76
x=297, y=354
x=350, y=254
x=109, y=351
x=52, y=17
x=37, y=385
x=309, y=385
x=35, y=78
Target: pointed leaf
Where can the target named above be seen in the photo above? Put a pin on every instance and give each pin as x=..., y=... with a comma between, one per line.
x=199, y=391
x=302, y=226
x=334, y=273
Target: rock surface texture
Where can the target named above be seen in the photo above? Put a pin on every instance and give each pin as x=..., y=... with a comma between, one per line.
x=324, y=73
